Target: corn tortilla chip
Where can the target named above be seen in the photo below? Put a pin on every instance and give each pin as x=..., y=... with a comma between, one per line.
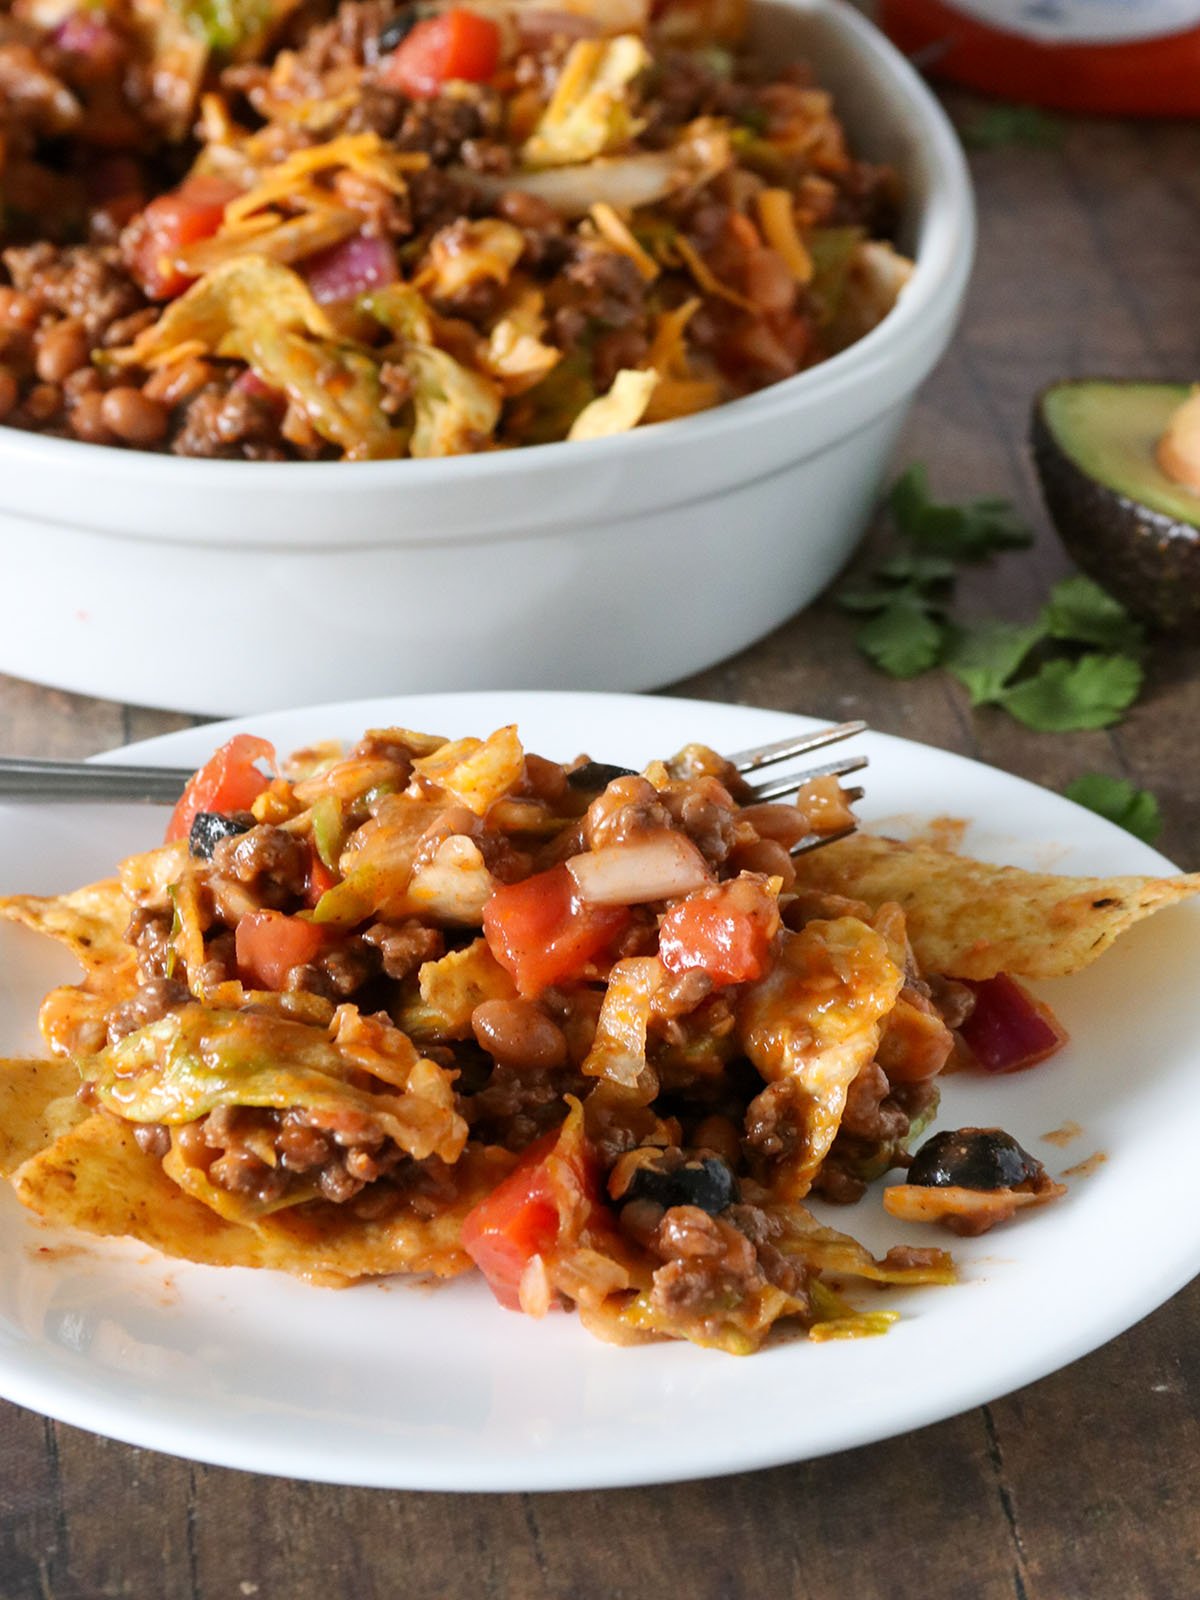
x=810, y=1026
x=970, y=919
x=95, y=1178
x=37, y=1104
x=91, y=922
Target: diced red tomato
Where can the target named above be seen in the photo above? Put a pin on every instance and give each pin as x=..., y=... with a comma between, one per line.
x=542, y=933
x=269, y=944
x=1009, y=1030
x=229, y=781
x=725, y=932
x=193, y=211
x=318, y=879
x=460, y=44
x=521, y=1217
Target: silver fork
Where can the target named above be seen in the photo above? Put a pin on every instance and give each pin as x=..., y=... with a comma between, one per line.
x=761, y=756
x=28, y=779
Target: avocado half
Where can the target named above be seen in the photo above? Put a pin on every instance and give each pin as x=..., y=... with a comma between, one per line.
x=1123, y=520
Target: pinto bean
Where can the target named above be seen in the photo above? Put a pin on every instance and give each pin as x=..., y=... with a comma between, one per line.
x=18, y=310
x=43, y=402
x=62, y=350
x=133, y=416
x=776, y=820
x=519, y=1034
x=87, y=419
x=767, y=856
x=526, y=210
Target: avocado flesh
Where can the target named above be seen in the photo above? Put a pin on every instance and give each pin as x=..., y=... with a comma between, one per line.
x=1111, y=432
x=1122, y=519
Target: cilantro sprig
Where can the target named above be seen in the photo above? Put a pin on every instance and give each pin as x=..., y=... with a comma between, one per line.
x=1074, y=666
x=1135, y=810
x=1066, y=696
x=969, y=532
x=997, y=126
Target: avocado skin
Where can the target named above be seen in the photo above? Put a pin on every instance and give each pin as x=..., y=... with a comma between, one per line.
x=1146, y=559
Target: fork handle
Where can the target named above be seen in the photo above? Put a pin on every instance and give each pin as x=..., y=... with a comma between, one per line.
x=21, y=778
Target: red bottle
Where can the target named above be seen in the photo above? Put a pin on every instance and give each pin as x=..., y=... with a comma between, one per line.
x=1122, y=57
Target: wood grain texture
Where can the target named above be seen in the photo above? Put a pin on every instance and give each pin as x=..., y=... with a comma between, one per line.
x=1079, y=1486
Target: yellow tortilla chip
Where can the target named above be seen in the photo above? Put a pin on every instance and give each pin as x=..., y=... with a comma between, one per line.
x=91, y=922
x=621, y=409
x=810, y=1026
x=37, y=1104
x=261, y=311
x=97, y=1179
x=339, y=1245
x=969, y=919
x=589, y=111
x=476, y=772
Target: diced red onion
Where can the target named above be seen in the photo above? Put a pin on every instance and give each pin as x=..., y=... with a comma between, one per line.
x=658, y=868
x=249, y=383
x=84, y=34
x=1008, y=1029
x=352, y=267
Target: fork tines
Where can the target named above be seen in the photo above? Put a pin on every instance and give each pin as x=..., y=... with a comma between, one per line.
x=768, y=755
x=778, y=787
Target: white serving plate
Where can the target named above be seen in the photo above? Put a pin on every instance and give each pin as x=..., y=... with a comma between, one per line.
x=399, y=1386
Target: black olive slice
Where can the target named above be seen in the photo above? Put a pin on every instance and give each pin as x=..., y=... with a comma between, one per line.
x=395, y=32
x=594, y=776
x=704, y=1181
x=973, y=1158
x=210, y=827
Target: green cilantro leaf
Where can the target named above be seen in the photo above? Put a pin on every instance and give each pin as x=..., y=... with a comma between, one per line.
x=1067, y=695
x=920, y=570
x=986, y=657
x=865, y=599
x=1083, y=613
x=1135, y=810
x=1002, y=125
x=1085, y=673
x=903, y=639
x=961, y=533
x=909, y=498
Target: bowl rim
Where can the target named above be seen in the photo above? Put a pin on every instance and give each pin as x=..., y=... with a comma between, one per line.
x=942, y=263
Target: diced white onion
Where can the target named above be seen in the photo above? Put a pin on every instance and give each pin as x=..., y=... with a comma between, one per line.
x=625, y=182
x=658, y=868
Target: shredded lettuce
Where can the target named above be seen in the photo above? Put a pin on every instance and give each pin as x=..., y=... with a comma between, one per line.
x=262, y=313
x=589, y=112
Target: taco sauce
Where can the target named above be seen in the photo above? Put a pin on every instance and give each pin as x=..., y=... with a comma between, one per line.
x=1119, y=57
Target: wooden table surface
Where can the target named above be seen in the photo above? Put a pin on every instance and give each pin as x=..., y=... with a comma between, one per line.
x=1080, y=1487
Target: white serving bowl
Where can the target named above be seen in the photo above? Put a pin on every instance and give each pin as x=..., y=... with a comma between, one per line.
x=621, y=563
